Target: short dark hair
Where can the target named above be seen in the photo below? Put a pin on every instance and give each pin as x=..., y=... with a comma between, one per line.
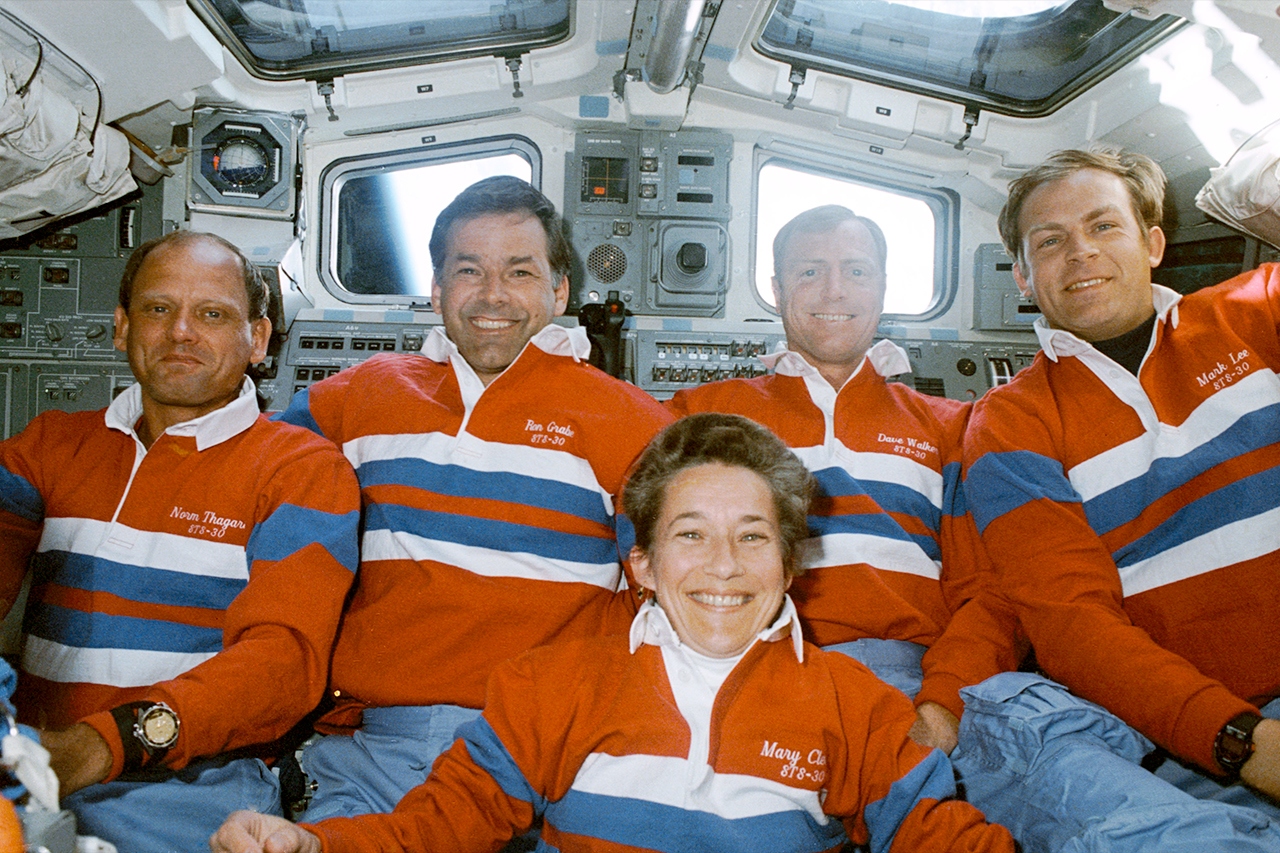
x=819, y=220
x=255, y=289
x=503, y=194
x=729, y=440
x=1142, y=176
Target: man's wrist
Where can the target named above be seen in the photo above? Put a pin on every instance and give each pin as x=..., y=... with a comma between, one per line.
x=1262, y=771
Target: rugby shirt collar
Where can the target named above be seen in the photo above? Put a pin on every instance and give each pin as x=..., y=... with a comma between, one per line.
x=1058, y=343
x=652, y=627
x=208, y=430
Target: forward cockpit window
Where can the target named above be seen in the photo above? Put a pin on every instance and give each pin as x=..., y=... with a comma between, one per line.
x=915, y=225
x=1018, y=57
x=290, y=39
x=379, y=212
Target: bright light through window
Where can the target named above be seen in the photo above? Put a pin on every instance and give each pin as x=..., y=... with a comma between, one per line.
x=908, y=225
x=384, y=218
x=422, y=192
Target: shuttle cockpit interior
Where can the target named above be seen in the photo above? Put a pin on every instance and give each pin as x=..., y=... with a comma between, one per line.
x=675, y=137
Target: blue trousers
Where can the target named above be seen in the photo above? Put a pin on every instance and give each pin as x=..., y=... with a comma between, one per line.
x=370, y=771
x=1064, y=776
x=167, y=812
x=895, y=662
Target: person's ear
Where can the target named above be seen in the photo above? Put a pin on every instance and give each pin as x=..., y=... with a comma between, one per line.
x=1155, y=245
x=260, y=332
x=121, y=337
x=1024, y=286
x=641, y=568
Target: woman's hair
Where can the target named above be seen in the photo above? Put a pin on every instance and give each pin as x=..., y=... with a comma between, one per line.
x=728, y=440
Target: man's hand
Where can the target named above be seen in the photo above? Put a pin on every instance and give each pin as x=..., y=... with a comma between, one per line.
x=935, y=726
x=250, y=832
x=78, y=755
x=1262, y=771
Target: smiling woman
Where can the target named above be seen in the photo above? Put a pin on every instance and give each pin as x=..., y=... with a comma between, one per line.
x=712, y=726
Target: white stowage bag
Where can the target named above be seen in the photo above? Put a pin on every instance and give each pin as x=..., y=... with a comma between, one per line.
x=55, y=159
x=1244, y=192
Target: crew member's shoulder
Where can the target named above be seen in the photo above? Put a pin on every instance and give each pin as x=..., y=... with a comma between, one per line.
x=56, y=427
x=280, y=442
x=725, y=395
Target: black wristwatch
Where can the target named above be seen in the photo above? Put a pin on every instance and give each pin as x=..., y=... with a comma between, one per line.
x=1234, y=743
x=147, y=731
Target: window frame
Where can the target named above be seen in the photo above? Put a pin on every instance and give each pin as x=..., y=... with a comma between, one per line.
x=338, y=172
x=375, y=60
x=1148, y=33
x=944, y=202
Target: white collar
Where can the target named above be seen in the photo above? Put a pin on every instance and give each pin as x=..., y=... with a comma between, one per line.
x=552, y=339
x=209, y=430
x=652, y=627
x=1057, y=343
x=886, y=358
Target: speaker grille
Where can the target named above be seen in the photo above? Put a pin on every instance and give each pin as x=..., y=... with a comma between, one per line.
x=607, y=263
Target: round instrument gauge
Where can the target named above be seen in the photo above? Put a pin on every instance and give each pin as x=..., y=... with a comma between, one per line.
x=241, y=162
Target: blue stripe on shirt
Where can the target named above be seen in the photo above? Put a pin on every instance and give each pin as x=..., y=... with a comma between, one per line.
x=1124, y=502
x=461, y=482
x=135, y=583
x=671, y=829
x=931, y=779
x=953, y=499
x=506, y=536
x=72, y=627
x=872, y=524
x=291, y=528
x=19, y=497
x=298, y=412
x=490, y=754
x=890, y=497
x=1242, y=499
x=1000, y=482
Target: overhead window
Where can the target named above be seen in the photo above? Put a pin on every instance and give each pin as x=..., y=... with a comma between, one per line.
x=916, y=224
x=378, y=213
x=1019, y=57
x=290, y=39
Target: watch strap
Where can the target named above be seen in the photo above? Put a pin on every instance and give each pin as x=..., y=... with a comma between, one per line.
x=126, y=717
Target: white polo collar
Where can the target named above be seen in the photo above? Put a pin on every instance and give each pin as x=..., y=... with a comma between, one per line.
x=208, y=430
x=652, y=627
x=886, y=358
x=552, y=339
x=1058, y=343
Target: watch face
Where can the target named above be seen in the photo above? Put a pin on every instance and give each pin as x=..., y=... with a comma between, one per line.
x=160, y=726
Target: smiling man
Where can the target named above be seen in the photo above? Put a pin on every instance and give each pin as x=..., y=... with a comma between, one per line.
x=894, y=565
x=184, y=552
x=490, y=464
x=1126, y=486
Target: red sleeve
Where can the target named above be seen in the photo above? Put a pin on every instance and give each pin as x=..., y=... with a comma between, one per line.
x=21, y=507
x=886, y=786
x=1065, y=586
x=279, y=631
x=982, y=638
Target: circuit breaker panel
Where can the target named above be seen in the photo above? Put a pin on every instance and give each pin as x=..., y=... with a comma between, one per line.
x=58, y=294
